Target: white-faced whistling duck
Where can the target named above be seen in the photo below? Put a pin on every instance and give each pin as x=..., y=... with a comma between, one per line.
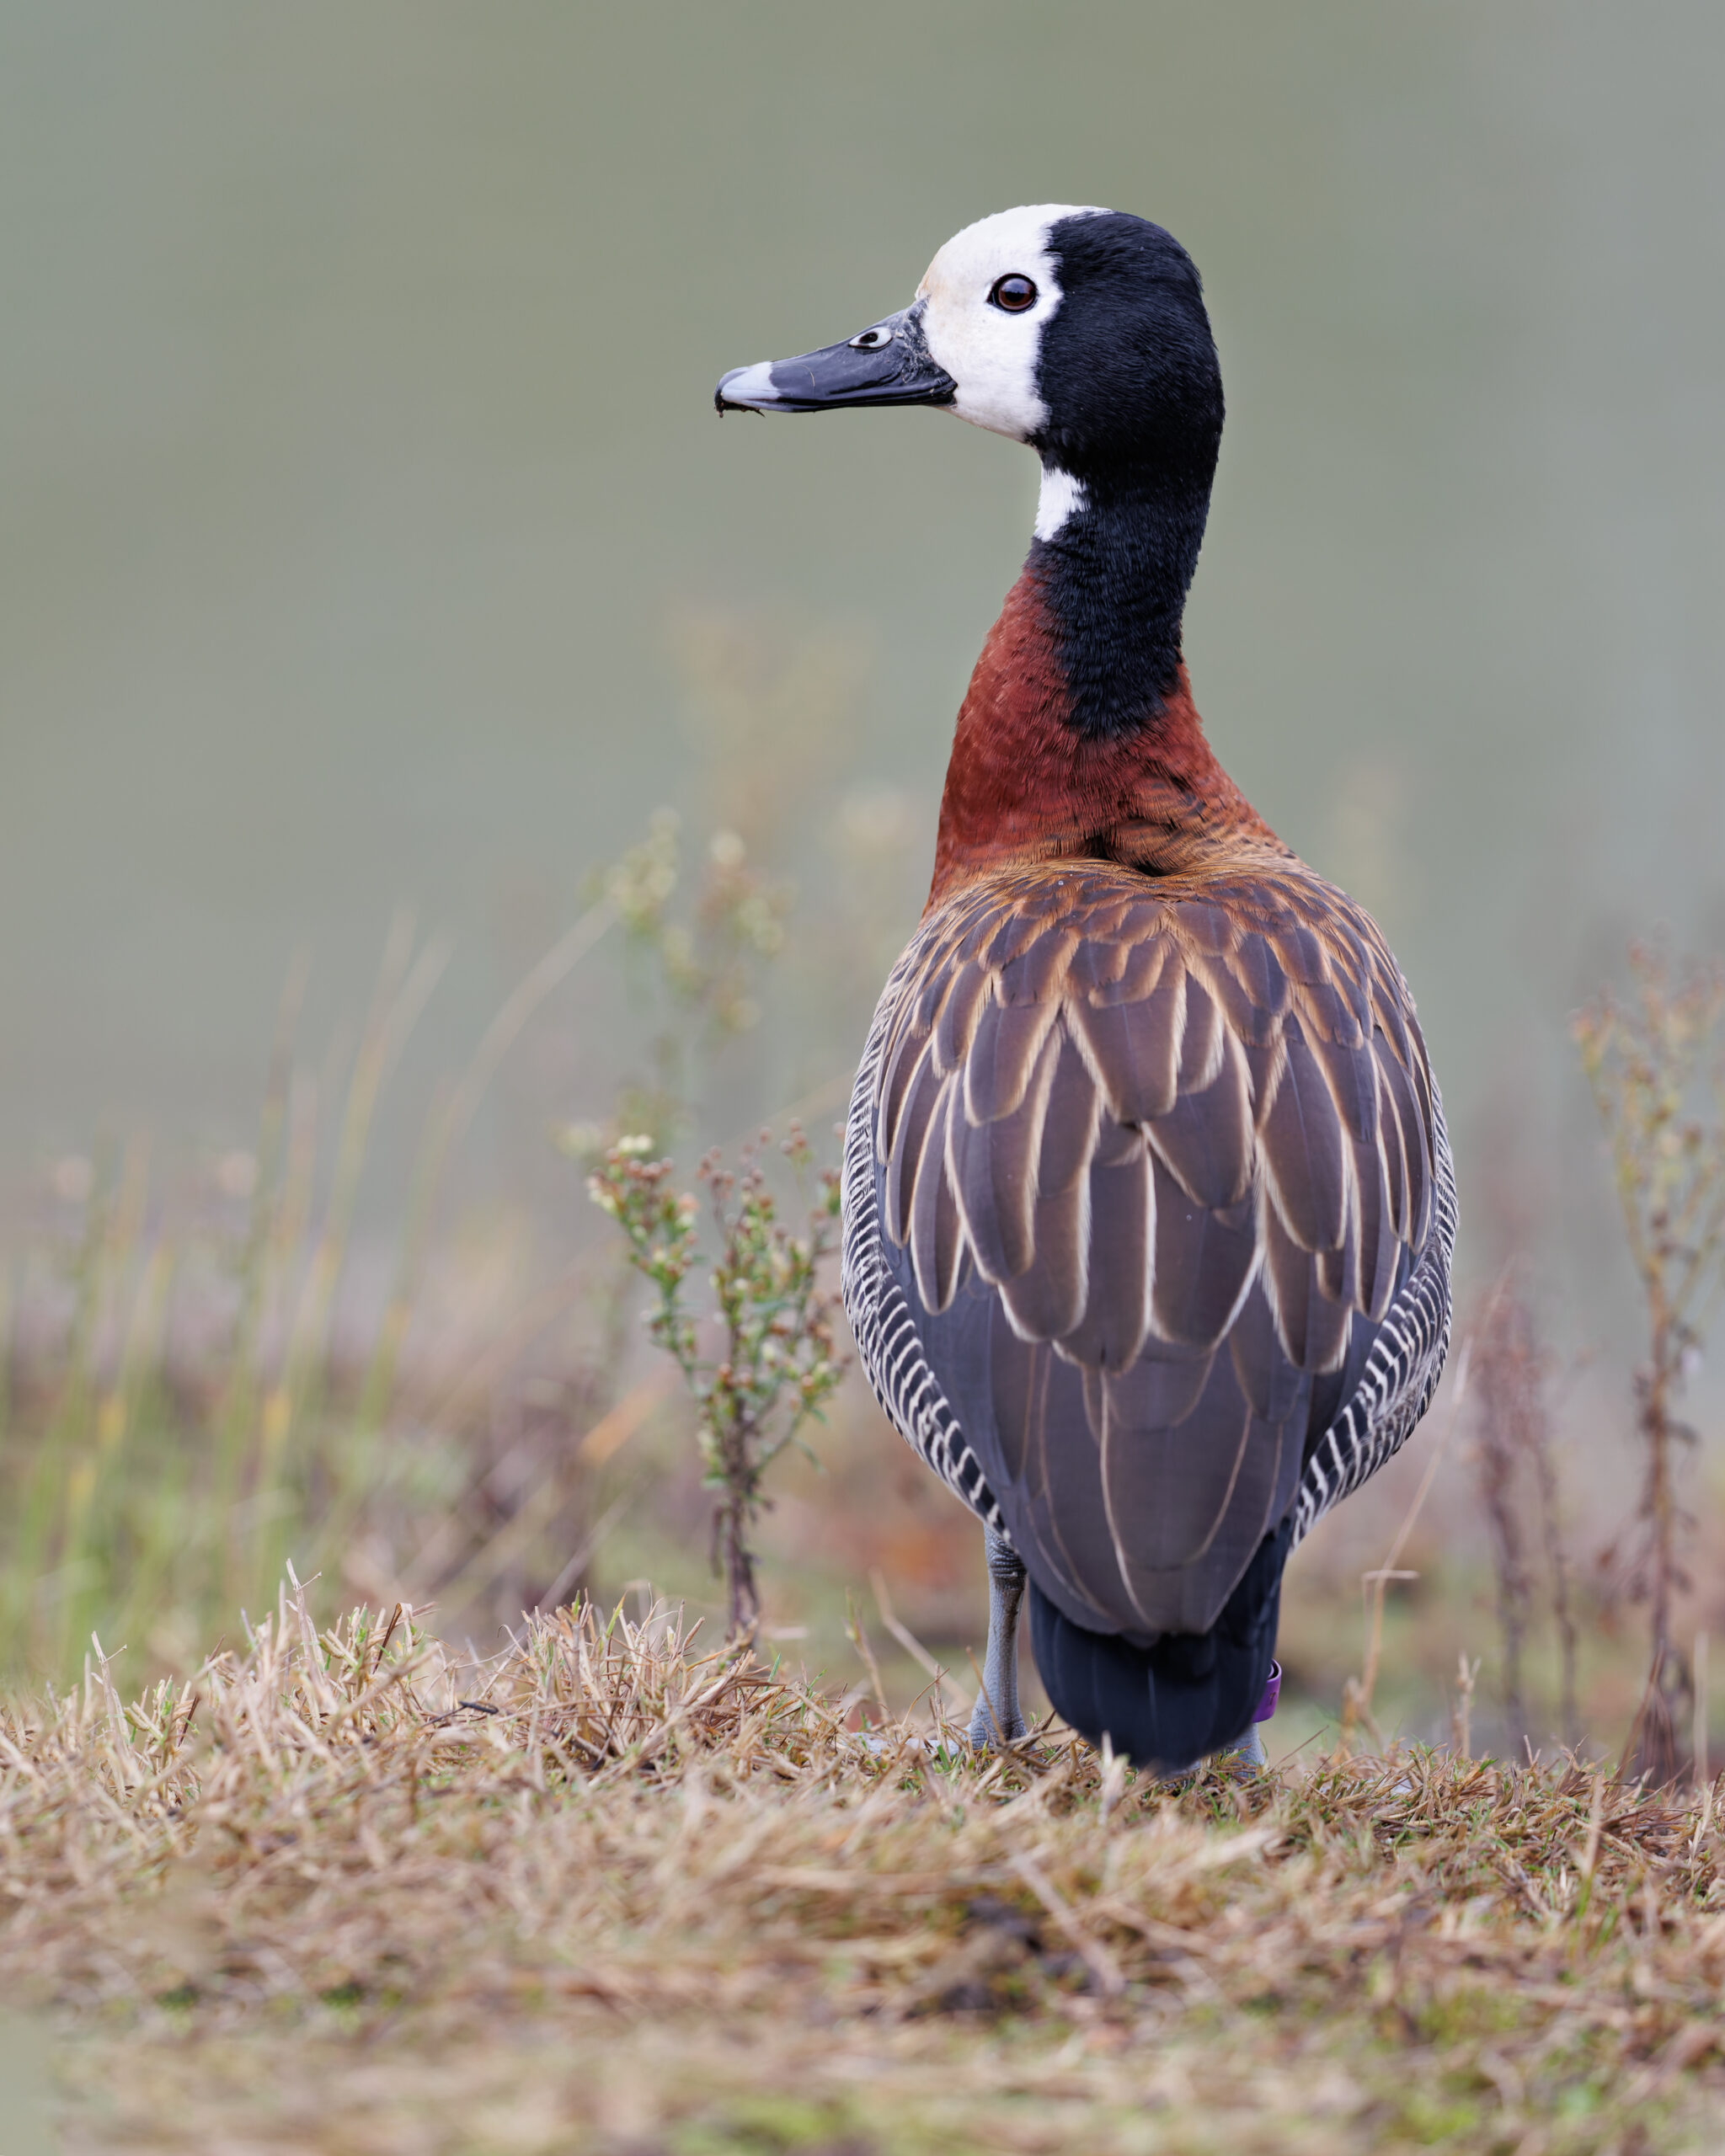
x=1149, y=1207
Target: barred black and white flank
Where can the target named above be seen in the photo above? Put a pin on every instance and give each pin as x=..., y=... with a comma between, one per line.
x=1149, y=1206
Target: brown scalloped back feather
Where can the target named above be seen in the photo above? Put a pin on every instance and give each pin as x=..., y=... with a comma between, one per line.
x=1153, y=1156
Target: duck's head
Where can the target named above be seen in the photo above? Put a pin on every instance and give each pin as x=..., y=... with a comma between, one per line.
x=1080, y=331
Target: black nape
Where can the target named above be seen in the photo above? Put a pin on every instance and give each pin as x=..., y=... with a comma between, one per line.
x=1128, y=372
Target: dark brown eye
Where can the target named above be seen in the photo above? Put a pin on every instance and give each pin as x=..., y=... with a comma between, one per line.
x=1014, y=294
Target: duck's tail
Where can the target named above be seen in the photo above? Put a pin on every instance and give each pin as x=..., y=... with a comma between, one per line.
x=1169, y=1706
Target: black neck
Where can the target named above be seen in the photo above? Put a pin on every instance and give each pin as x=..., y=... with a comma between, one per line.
x=1114, y=576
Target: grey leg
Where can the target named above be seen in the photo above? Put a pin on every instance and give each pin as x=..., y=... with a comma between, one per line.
x=1246, y=1752
x=1000, y=1667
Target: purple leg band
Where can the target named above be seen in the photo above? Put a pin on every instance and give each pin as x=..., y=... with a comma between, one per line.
x=1272, y=1692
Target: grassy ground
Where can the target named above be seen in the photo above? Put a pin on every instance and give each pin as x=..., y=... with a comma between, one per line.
x=342, y=1893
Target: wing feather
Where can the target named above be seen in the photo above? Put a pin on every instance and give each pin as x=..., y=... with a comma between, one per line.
x=909, y=1139
x=1303, y=1152
x=1259, y=975
x=1407, y=1156
x=1069, y=1123
x=994, y=1173
x=1266, y=1374
x=1158, y=1161
x=898, y=1069
x=1206, y=1140
x=1313, y=1331
x=955, y=1028
x=1134, y=1045
x=937, y=1235
x=1096, y=965
x=1205, y=1258
x=1350, y=1071
x=1064, y=1504
x=1174, y=1494
x=1046, y=1300
x=1158, y=1391
x=1202, y=1034
x=1002, y=1056
x=1034, y=975
x=1254, y=1021
x=1117, y=1311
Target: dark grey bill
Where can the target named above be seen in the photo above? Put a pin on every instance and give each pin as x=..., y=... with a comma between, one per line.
x=889, y=363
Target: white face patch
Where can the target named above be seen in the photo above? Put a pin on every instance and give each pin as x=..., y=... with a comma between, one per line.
x=1062, y=496
x=991, y=354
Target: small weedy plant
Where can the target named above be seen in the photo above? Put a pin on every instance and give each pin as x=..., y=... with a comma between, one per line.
x=1517, y=1470
x=186, y=1397
x=778, y=1360
x=1656, y=1062
x=698, y=934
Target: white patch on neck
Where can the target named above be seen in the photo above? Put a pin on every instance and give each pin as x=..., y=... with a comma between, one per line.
x=991, y=354
x=1062, y=496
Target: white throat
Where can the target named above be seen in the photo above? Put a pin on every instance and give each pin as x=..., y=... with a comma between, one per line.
x=1062, y=496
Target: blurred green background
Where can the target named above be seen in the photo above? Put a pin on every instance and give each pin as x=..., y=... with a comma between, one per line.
x=367, y=538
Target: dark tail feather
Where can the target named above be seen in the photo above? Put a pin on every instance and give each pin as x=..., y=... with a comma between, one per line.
x=1189, y=1694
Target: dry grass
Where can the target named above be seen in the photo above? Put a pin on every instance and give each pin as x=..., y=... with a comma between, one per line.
x=344, y=1894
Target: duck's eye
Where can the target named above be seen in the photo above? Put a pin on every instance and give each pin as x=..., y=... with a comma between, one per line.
x=1014, y=294
x=871, y=340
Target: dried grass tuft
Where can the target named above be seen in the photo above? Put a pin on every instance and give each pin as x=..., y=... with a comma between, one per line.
x=346, y=1892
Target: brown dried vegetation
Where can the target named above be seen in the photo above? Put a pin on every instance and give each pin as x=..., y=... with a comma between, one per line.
x=1656, y=1063
x=1516, y=1468
x=344, y=1894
